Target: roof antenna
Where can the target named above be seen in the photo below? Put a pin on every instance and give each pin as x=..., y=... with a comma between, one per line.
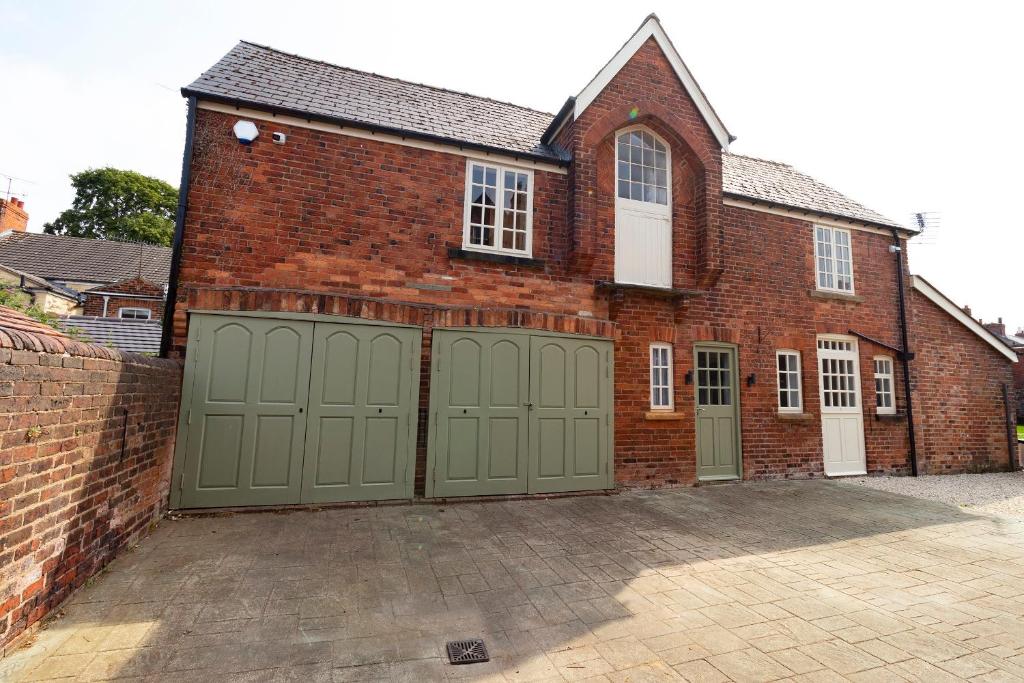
x=928, y=224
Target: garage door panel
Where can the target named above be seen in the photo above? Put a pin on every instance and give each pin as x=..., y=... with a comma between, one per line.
x=570, y=425
x=551, y=448
x=587, y=446
x=282, y=358
x=479, y=385
x=221, y=451
x=385, y=374
x=361, y=428
x=341, y=360
x=274, y=434
x=334, y=452
x=380, y=451
x=227, y=372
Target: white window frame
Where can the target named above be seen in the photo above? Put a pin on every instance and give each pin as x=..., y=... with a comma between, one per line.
x=799, y=408
x=891, y=376
x=639, y=204
x=656, y=387
x=833, y=261
x=135, y=309
x=499, y=208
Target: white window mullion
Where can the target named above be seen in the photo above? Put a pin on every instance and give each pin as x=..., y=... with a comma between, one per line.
x=885, y=399
x=661, y=377
x=790, y=387
x=484, y=225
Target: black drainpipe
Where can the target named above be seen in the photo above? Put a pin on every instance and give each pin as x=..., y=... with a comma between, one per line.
x=179, y=231
x=906, y=355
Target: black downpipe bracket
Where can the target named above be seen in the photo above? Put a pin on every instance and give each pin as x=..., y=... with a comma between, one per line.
x=167, y=333
x=906, y=355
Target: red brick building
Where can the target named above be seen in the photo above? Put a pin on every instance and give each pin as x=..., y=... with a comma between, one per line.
x=484, y=299
x=134, y=298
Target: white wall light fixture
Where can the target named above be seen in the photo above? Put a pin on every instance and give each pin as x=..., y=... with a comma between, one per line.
x=246, y=132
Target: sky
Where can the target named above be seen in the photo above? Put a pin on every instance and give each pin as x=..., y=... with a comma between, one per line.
x=905, y=107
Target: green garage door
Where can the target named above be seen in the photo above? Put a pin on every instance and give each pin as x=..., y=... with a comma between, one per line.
x=284, y=411
x=513, y=412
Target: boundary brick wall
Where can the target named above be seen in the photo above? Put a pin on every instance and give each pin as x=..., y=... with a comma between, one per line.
x=76, y=485
x=958, y=400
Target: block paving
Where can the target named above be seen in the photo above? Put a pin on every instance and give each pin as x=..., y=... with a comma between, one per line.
x=803, y=581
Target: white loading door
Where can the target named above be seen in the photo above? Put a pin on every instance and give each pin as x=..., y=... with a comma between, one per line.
x=842, y=417
x=643, y=210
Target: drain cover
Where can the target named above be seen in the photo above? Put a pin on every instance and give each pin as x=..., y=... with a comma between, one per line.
x=467, y=651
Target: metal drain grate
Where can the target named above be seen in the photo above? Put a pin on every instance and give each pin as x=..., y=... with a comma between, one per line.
x=467, y=651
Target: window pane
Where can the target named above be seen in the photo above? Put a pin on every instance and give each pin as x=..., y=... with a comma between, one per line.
x=474, y=234
x=491, y=176
x=624, y=189
x=623, y=170
x=478, y=174
x=521, y=241
x=702, y=396
x=662, y=196
x=637, y=191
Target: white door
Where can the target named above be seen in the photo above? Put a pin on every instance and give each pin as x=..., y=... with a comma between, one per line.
x=643, y=210
x=842, y=417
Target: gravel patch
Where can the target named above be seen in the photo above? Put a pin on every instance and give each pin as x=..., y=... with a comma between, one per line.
x=1000, y=493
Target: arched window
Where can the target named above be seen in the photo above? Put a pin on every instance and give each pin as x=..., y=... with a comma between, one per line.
x=642, y=162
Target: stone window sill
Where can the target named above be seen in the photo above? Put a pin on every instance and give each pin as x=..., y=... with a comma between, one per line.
x=892, y=417
x=835, y=296
x=795, y=417
x=662, y=415
x=505, y=259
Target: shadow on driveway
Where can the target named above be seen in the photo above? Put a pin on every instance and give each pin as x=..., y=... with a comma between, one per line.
x=754, y=581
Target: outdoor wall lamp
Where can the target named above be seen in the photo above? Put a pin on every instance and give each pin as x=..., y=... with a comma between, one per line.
x=689, y=377
x=751, y=379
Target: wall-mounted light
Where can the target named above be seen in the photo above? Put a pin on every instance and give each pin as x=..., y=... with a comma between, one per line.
x=689, y=377
x=751, y=379
x=246, y=131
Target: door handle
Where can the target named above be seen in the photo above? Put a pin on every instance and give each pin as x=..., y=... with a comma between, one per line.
x=529, y=406
x=700, y=410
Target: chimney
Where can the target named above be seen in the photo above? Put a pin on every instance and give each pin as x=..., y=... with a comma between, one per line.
x=967, y=310
x=998, y=328
x=13, y=215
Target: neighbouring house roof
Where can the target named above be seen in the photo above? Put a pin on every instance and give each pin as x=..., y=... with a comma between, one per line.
x=30, y=281
x=780, y=184
x=945, y=303
x=264, y=77
x=138, y=336
x=77, y=259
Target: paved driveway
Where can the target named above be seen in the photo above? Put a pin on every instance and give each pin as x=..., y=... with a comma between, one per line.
x=806, y=580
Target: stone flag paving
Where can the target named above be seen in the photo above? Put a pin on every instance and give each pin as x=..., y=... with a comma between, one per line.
x=809, y=581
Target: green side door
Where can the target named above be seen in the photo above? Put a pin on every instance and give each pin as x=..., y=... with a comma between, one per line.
x=717, y=419
x=479, y=407
x=360, y=438
x=246, y=422
x=570, y=415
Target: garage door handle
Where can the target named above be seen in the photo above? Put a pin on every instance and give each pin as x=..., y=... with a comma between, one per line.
x=529, y=406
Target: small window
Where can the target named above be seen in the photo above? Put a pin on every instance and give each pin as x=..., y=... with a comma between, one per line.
x=499, y=209
x=790, y=393
x=834, y=259
x=661, y=377
x=642, y=167
x=883, y=386
x=134, y=313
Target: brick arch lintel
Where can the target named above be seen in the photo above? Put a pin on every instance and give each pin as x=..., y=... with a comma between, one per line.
x=662, y=121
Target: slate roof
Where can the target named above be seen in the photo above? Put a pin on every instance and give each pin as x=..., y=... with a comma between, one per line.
x=265, y=77
x=138, y=336
x=776, y=183
x=68, y=259
x=31, y=281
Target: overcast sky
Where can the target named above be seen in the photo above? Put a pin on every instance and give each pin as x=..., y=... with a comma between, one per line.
x=903, y=106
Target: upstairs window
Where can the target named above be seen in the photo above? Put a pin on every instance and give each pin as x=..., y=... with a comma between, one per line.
x=834, y=259
x=790, y=395
x=134, y=313
x=642, y=163
x=499, y=209
x=884, y=401
x=661, y=377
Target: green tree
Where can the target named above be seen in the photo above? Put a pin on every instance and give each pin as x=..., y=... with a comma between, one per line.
x=113, y=204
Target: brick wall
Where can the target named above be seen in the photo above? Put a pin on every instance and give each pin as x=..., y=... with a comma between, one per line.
x=76, y=487
x=957, y=382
